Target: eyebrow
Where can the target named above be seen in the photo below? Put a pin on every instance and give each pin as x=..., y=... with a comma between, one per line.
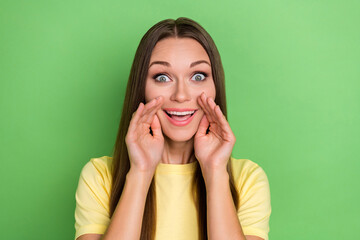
x=169, y=65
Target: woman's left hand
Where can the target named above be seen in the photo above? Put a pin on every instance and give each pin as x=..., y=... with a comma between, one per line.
x=213, y=149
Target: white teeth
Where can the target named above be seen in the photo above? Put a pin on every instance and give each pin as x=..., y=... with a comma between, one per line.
x=180, y=113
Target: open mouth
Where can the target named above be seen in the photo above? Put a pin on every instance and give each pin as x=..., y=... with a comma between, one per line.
x=180, y=116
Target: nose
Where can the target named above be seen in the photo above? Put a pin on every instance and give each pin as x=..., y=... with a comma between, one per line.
x=181, y=92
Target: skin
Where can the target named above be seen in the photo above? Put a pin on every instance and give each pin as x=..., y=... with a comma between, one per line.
x=180, y=89
x=179, y=145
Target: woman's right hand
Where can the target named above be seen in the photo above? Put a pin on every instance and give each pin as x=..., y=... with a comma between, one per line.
x=145, y=150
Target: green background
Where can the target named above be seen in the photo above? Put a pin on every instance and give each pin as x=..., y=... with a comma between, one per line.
x=292, y=78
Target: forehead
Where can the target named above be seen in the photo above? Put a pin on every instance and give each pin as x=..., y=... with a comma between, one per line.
x=171, y=49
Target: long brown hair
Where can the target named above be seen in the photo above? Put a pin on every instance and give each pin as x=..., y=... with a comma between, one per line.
x=135, y=93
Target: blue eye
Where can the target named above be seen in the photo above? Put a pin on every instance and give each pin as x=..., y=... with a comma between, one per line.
x=198, y=77
x=161, y=78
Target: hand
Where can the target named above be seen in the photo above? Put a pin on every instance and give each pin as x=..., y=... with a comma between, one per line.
x=213, y=149
x=145, y=149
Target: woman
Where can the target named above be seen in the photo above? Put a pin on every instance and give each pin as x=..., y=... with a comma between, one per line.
x=172, y=175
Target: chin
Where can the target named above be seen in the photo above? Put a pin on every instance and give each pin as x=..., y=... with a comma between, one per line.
x=179, y=136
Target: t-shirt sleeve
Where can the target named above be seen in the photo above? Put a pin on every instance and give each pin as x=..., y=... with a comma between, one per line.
x=92, y=199
x=254, y=197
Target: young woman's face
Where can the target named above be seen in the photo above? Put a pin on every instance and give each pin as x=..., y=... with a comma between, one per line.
x=179, y=70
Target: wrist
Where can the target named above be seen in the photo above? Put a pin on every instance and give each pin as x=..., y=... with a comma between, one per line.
x=141, y=176
x=143, y=169
x=215, y=175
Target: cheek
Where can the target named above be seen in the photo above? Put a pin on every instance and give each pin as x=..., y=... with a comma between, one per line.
x=209, y=90
x=151, y=91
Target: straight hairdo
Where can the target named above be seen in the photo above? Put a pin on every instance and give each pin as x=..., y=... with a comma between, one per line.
x=135, y=93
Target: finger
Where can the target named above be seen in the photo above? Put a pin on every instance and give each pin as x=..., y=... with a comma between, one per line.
x=135, y=118
x=205, y=101
x=224, y=124
x=156, y=127
x=149, y=115
x=203, y=126
x=220, y=116
x=202, y=105
x=149, y=107
x=207, y=108
x=211, y=107
x=222, y=127
x=136, y=115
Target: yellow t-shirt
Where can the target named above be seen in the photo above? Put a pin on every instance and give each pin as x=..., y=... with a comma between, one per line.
x=176, y=211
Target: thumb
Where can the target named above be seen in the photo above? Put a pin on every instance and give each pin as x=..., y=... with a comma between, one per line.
x=156, y=127
x=203, y=126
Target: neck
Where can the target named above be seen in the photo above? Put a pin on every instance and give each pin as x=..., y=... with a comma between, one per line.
x=178, y=152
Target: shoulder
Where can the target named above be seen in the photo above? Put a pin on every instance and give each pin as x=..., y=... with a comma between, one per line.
x=254, y=197
x=246, y=173
x=92, y=213
x=98, y=169
x=243, y=167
